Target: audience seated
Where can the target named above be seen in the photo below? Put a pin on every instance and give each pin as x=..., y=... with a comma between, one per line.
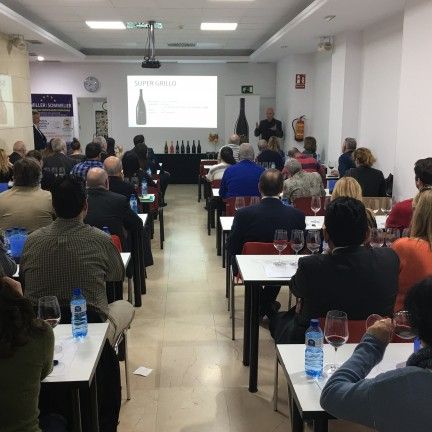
x=300, y=183
x=346, y=161
x=258, y=224
x=113, y=167
x=19, y=151
x=8, y=266
x=415, y=251
x=310, y=147
x=5, y=168
x=350, y=187
x=398, y=400
x=164, y=176
x=130, y=158
x=104, y=146
x=69, y=254
x=110, y=146
x=234, y=145
x=26, y=205
x=269, y=158
x=93, y=160
x=308, y=164
x=242, y=178
x=274, y=144
x=401, y=213
x=358, y=280
x=76, y=154
x=370, y=179
x=58, y=163
x=47, y=151
x=225, y=159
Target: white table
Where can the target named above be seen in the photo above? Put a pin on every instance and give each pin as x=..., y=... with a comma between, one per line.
x=317, y=222
x=144, y=217
x=77, y=369
x=254, y=276
x=306, y=392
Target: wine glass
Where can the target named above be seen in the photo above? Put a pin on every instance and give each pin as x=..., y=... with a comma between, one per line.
x=280, y=242
x=336, y=334
x=376, y=238
x=375, y=205
x=327, y=201
x=239, y=203
x=315, y=205
x=391, y=234
x=49, y=310
x=372, y=319
x=297, y=240
x=402, y=325
x=386, y=205
x=313, y=240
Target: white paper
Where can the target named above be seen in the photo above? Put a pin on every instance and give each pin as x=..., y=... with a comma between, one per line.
x=143, y=371
x=285, y=270
x=65, y=349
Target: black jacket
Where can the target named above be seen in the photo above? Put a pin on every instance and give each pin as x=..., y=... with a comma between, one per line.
x=40, y=141
x=130, y=163
x=119, y=186
x=371, y=180
x=268, y=157
x=59, y=163
x=13, y=157
x=264, y=129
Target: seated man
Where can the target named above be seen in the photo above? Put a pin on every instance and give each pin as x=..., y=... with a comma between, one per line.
x=113, y=167
x=26, y=205
x=401, y=213
x=308, y=163
x=356, y=279
x=234, y=145
x=19, y=151
x=164, y=176
x=258, y=224
x=398, y=400
x=242, y=178
x=93, y=160
x=130, y=159
x=69, y=254
x=301, y=184
x=104, y=146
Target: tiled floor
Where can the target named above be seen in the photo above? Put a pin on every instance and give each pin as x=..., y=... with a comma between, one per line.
x=183, y=332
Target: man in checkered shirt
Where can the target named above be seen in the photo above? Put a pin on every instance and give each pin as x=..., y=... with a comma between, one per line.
x=93, y=160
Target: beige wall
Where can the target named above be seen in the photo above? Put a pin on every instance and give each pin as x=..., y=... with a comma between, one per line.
x=16, y=123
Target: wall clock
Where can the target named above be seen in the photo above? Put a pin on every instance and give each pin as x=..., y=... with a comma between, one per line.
x=91, y=84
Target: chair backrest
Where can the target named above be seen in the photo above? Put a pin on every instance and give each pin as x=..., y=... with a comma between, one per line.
x=230, y=204
x=203, y=162
x=154, y=206
x=356, y=329
x=117, y=242
x=260, y=248
x=304, y=205
x=4, y=187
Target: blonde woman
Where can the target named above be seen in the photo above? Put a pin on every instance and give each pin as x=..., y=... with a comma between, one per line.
x=415, y=251
x=5, y=168
x=371, y=180
x=273, y=144
x=350, y=187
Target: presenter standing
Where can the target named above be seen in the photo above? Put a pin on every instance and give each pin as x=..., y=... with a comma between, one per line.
x=269, y=127
x=40, y=141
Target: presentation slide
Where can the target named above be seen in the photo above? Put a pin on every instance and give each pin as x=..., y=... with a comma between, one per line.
x=172, y=101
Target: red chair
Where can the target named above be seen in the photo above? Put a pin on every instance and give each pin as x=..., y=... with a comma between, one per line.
x=251, y=248
x=117, y=242
x=304, y=204
x=158, y=211
x=203, y=172
x=230, y=203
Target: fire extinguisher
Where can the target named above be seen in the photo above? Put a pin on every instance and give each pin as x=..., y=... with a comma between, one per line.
x=298, y=125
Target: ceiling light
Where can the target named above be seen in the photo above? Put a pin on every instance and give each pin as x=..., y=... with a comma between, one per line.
x=106, y=25
x=329, y=18
x=219, y=26
x=40, y=58
x=132, y=25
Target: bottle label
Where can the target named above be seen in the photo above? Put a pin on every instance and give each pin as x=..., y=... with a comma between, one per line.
x=79, y=308
x=317, y=343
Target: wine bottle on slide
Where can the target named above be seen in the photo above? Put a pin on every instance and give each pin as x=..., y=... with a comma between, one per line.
x=187, y=147
x=193, y=147
x=171, y=148
x=141, y=113
x=177, y=148
x=182, y=148
x=242, y=126
x=166, y=147
x=199, y=147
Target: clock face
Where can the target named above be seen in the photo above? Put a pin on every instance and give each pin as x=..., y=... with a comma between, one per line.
x=91, y=84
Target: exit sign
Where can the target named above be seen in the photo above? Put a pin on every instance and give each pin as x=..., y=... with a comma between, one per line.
x=245, y=89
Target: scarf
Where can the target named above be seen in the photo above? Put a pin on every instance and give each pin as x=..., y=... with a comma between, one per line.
x=422, y=358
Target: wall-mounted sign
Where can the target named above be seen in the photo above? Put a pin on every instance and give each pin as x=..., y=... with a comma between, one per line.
x=300, y=82
x=247, y=89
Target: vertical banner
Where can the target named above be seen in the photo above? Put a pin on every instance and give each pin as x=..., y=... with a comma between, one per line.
x=56, y=115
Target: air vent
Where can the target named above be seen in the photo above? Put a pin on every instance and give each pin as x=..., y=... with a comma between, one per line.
x=33, y=41
x=182, y=44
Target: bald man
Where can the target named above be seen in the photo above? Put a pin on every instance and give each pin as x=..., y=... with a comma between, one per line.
x=106, y=208
x=269, y=126
x=19, y=151
x=113, y=167
x=234, y=145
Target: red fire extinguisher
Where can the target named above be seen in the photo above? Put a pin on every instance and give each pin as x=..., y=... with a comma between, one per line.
x=298, y=125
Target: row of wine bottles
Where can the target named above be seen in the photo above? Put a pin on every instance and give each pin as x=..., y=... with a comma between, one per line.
x=182, y=148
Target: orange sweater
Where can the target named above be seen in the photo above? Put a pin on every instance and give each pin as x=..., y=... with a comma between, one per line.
x=415, y=257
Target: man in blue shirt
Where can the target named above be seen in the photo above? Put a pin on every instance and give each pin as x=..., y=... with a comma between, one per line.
x=345, y=159
x=93, y=155
x=242, y=178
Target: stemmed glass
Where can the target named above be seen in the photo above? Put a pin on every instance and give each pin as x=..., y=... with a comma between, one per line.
x=375, y=206
x=313, y=240
x=239, y=203
x=386, y=205
x=297, y=240
x=376, y=238
x=49, y=311
x=315, y=206
x=280, y=242
x=336, y=334
x=402, y=325
x=391, y=235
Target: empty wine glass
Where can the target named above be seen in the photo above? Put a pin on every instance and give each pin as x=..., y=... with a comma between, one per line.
x=336, y=334
x=375, y=205
x=280, y=242
x=331, y=164
x=49, y=310
x=297, y=240
x=402, y=325
x=391, y=234
x=376, y=238
x=386, y=205
x=313, y=240
x=372, y=319
x=315, y=205
x=327, y=201
x=239, y=203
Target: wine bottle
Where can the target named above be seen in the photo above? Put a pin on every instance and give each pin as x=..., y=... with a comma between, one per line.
x=187, y=147
x=242, y=126
x=141, y=113
x=199, y=147
x=171, y=148
x=182, y=148
x=177, y=148
x=3, y=111
x=166, y=147
x=193, y=147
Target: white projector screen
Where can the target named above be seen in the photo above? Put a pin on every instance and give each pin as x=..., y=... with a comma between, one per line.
x=172, y=101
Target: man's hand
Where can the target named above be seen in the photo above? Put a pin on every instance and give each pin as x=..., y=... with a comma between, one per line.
x=15, y=285
x=382, y=330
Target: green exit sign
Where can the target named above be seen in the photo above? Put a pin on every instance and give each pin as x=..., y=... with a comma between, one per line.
x=245, y=89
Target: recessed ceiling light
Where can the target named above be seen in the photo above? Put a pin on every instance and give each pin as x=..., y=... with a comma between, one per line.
x=106, y=25
x=219, y=26
x=329, y=18
x=40, y=58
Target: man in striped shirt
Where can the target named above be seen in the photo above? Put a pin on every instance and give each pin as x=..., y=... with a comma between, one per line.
x=307, y=162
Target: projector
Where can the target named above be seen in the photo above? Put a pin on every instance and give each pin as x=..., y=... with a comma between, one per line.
x=150, y=64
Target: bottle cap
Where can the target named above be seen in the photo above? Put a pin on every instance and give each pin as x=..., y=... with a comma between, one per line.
x=314, y=322
x=77, y=291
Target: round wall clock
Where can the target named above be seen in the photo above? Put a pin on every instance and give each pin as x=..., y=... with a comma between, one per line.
x=91, y=84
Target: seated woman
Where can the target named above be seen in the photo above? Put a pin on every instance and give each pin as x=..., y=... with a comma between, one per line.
x=26, y=358
x=415, y=251
x=310, y=147
x=398, y=400
x=350, y=187
x=225, y=159
x=5, y=168
x=269, y=158
x=370, y=179
x=273, y=144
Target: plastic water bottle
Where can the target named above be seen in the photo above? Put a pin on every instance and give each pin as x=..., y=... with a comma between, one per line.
x=78, y=306
x=285, y=201
x=314, y=355
x=149, y=171
x=133, y=203
x=106, y=231
x=144, y=187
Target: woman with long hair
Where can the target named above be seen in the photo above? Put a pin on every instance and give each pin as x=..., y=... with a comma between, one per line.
x=225, y=159
x=274, y=145
x=5, y=168
x=415, y=251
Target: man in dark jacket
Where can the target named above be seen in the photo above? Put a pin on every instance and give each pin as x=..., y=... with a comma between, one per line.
x=114, y=169
x=269, y=126
x=58, y=163
x=258, y=224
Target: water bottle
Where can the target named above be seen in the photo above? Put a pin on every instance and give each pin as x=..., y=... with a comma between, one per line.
x=149, y=171
x=417, y=344
x=285, y=201
x=133, y=203
x=314, y=350
x=78, y=307
x=7, y=236
x=106, y=231
x=144, y=187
